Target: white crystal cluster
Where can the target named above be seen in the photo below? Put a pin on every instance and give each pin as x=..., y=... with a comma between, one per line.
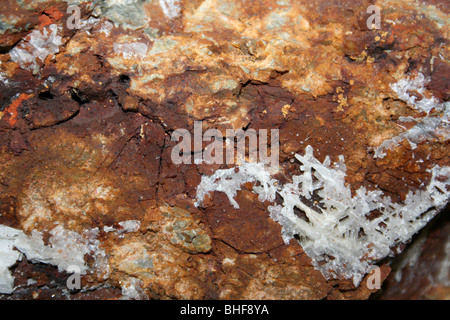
x=229, y=181
x=125, y=227
x=32, y=51
x=66, y=250
x=3, y=77
x=332, y=225
x=171, y=8
x=8, y=257
x=132, y=289
x=131, y=50
x=427, y=127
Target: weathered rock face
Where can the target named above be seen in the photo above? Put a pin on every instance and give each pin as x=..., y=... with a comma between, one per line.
x=87, y=114
x=422, y=270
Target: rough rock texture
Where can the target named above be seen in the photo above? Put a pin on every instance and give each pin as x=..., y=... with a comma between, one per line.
x=86, y=117
x=422, y=270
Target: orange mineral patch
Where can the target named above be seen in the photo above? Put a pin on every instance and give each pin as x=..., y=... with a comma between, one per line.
x=50, y=16
x=12, y=108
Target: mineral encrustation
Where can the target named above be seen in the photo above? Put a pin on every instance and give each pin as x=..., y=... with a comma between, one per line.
x=92, y=92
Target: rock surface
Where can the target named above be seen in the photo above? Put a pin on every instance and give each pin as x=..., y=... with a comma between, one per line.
x=87, y=114
x=422, y=270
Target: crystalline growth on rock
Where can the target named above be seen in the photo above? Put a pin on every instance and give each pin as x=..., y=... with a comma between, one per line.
x=428, y=127
x=131, y=50
x=171, y=8
x=8, y=257
x=129, y=226
x=66, y=250
x=338, y=235
x=31, y=52
x=230, y=181
x=336, y=232
x=403, y=88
